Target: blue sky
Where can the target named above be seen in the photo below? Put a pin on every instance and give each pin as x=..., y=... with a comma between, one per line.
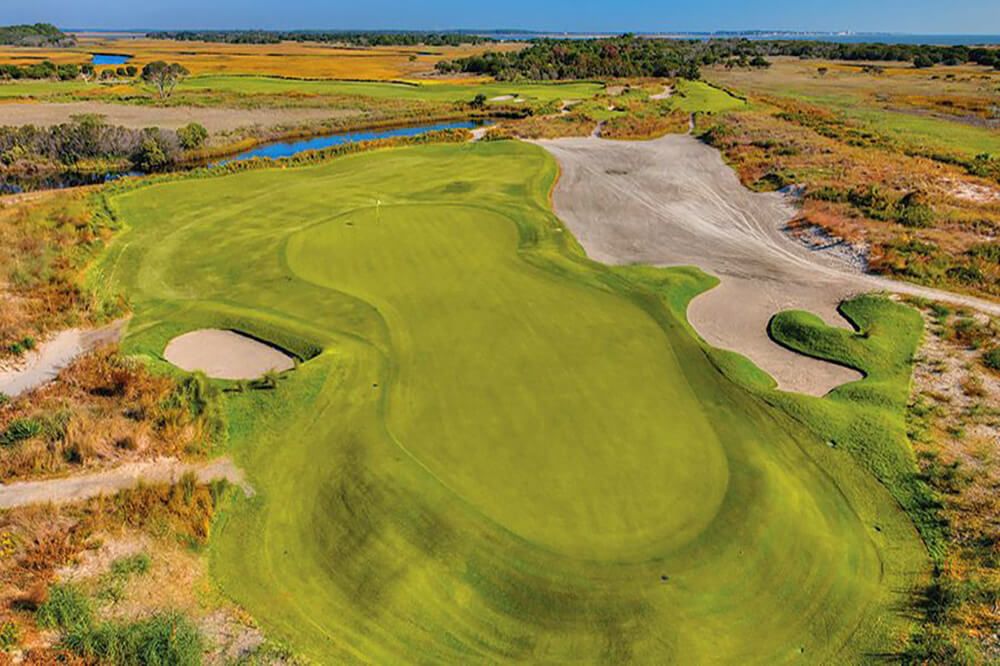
x=920, y=16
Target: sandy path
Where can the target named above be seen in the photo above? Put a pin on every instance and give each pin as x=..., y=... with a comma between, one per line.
x=214, y=119
x=42, y=365
x=86, y=486
x=673, y=201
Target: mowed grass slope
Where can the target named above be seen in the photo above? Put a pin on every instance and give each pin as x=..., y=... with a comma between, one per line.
x=504, y=451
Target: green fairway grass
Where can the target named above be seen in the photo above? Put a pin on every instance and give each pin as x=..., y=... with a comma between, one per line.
x=495, y=449
x=700, y=97
x=435, y=92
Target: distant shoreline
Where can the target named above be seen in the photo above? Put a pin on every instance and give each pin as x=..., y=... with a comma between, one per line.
x=524, y=35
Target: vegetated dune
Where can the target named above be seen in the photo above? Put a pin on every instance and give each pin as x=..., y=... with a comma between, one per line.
x=506, y=451
x=212, y=118
x=673, y=201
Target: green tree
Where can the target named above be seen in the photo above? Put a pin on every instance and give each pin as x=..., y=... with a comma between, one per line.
x=192, y=136
x=163, y=76
x=151, y=156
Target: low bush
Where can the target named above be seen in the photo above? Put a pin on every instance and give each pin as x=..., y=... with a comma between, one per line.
x=67, y=608
x=192, y=136
x=166, y=639
x=991, y=359
x=19, y=430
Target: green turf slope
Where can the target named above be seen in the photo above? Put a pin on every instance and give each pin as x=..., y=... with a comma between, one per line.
x=503, y=451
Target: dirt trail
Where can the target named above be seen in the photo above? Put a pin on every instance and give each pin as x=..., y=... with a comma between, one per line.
x=109, y=482
x=42, y=365
x=673, y=201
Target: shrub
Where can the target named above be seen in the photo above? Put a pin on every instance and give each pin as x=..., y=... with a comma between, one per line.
x=967, y=275
x=19, y=430
x=989, y=252
x=914, y=212
x=151, y=156
x=23, y=345
x=66, y=608
x=130, y=566
x=10, y=634
x=161, y=640
x=991, y=359
x=192, y=136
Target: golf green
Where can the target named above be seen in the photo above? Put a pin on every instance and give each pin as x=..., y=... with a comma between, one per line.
x=496, y=449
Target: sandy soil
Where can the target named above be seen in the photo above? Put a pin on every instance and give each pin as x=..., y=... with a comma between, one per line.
x=214, y=119
x=42, y=365
x=225, y=355
x=673, y=201
x=85, y=486
x=668, y=91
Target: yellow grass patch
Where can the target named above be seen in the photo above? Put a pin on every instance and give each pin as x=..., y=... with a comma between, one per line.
x=292, y=59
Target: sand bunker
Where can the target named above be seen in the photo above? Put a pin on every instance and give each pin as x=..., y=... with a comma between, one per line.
x=673, y=201
x=225, y=354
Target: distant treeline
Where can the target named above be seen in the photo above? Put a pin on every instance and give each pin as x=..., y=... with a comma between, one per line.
x=352, y=38
x=39, y=34
x=630, y=56
x=45, y=70
x=553, y=59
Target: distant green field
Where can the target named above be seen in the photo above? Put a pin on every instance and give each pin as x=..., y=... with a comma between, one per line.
x=932, y=132
x=437, y=92
x=912, y=129
x=504, y=452
x=14, y=89
x=698, y=96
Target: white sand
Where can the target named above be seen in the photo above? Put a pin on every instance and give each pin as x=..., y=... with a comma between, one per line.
x=225, y=355
x=673, y=201
x=42, y=365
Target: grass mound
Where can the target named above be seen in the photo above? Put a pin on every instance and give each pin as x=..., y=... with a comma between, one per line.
x=867, y=418
x=503, y=450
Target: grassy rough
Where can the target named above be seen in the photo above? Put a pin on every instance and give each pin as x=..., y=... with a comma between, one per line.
x=491, y=456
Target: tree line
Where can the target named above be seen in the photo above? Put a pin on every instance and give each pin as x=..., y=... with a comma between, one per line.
x=38, y=34
x=630, y=56
x=336, y=37
x=89, y=137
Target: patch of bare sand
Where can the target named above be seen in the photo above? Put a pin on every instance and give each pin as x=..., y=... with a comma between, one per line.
x=673, y=201
x=212, y=118
x=38, y=367
x=177, y=580
x=667, y=93
x=225, y=355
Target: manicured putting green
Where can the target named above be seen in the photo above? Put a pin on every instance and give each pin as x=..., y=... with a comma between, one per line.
x=436, y=92
x=503, y=452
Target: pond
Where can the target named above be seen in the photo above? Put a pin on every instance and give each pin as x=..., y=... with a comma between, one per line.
x=109, y=59
x=279, y=149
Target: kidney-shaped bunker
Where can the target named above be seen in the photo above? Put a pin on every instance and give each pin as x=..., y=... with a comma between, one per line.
x=225, y=354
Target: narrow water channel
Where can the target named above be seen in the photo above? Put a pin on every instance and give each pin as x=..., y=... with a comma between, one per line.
x=275, y=150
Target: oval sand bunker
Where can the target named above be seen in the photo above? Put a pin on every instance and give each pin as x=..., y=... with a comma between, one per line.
x=225, y=354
